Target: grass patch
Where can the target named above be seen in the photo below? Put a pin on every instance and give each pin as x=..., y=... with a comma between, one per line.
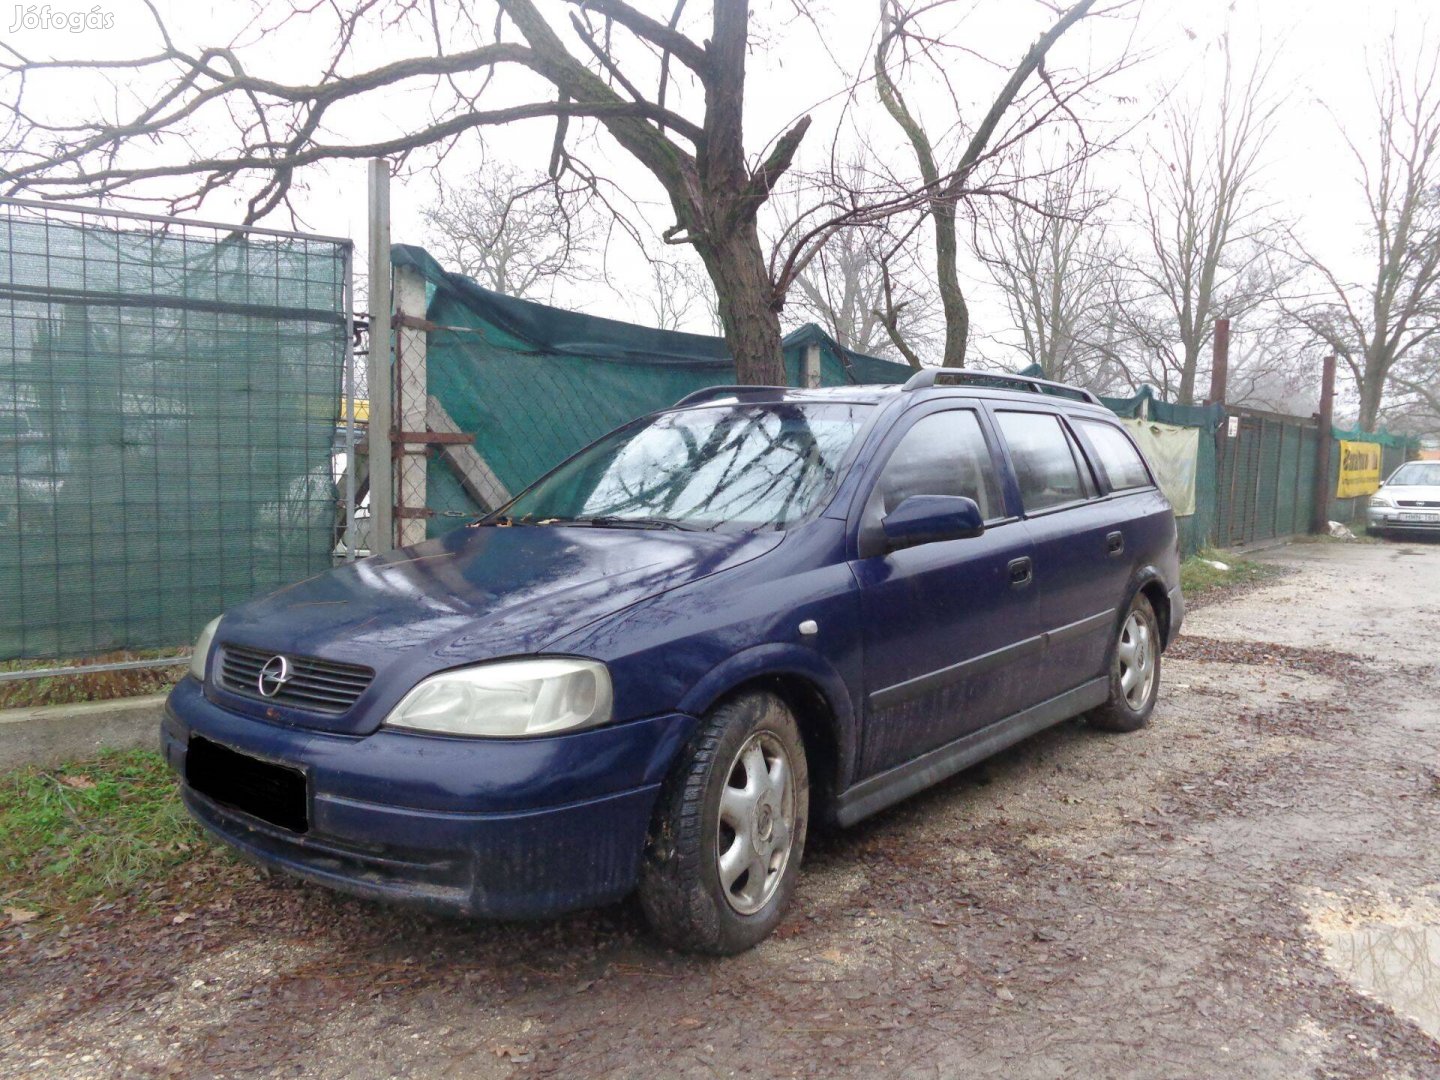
x=1198, y=576
x=101, y=686
x=88, y=831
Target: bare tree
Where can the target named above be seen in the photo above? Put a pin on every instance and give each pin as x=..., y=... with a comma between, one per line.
x=516, y=233
x=1210, y=241
x=680, y=295
x=1384, y=327
x=1415, y=407
x=173, y=98
x=1056, y=269
x=1030, y=98
x=1273, y=366
x=866, y=286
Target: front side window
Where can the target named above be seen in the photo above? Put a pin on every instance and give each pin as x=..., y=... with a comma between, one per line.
x=942, y=454
x=728, y=467
x=1044, y=464
x=1122, y=462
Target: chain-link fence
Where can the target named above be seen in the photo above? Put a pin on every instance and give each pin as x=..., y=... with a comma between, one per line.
x=170, y=396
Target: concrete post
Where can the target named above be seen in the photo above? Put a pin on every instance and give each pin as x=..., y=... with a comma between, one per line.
x=382, y=413
x=810, y=367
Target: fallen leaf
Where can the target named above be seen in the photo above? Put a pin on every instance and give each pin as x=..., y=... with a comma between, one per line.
x=20, y=915
x=518, y=1054
x=79, y=783
x=184, y=916
x=1004, y=994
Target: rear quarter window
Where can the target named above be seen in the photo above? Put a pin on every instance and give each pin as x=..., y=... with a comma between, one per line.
x=1118, y=456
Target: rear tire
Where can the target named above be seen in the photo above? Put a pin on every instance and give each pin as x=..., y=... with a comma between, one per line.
x=729, y=830
x=1134, y=671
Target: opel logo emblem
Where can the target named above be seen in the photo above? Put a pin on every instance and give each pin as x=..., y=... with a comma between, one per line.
x=273, y=676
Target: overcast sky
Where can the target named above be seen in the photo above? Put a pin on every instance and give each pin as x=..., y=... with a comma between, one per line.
x=1323, y=53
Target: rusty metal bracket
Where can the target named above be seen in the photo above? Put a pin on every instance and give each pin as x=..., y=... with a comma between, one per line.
x=412, y=322
x=433, y=438
x=413, y=513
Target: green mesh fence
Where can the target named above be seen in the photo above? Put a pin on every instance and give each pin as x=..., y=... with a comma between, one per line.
x=168, y=403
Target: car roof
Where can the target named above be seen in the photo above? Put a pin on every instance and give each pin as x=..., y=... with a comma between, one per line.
x=870, y=394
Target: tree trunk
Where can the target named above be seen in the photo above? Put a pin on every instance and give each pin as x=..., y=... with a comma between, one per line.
x=745, y=295
x=1187, y=375
x=1372, y=390
x=952, y=297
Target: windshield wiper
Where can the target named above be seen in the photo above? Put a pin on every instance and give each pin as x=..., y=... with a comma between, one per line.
x=610, y=521
x=500, y=520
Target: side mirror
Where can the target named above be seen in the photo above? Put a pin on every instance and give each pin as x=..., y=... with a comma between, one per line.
x=926, y=519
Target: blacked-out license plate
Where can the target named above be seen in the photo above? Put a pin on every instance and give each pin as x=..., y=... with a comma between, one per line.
x=262, y=789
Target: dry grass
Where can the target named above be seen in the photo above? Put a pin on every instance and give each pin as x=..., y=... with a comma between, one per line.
x=101, y=686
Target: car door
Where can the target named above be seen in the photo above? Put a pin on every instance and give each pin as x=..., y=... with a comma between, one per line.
x=1079, y=549
x=943, y=621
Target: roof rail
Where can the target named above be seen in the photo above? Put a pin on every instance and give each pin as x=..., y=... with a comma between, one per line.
x=965, y=377
x=709, y=393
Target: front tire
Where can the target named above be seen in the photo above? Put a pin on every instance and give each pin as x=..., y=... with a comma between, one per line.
x=729, y=830
x=1134, y=671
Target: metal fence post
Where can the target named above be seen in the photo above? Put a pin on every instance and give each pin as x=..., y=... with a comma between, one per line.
x=1219, y=386
x=382, y=413
x=1320, y=514
x=1219, y=362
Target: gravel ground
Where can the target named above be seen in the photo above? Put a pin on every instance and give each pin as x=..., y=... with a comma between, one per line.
x=1193, y=900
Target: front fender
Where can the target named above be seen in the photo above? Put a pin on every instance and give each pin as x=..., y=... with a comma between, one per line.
x=784, y=659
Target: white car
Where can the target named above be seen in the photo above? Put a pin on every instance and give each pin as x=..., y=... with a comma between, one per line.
x=1408, y=501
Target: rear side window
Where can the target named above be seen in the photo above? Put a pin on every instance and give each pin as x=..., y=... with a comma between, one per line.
x=1122, y=462
x=1044, y=464
x=942, y=454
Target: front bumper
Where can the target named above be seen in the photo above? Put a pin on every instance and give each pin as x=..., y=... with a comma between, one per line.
x=1384, y=517
x=505, y=829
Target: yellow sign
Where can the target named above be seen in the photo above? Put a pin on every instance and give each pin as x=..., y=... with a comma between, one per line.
x=1359, y=469
x=362, y=410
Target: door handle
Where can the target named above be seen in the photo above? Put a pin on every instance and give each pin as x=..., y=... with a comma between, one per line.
x=1115, y=543
x=1022, y=572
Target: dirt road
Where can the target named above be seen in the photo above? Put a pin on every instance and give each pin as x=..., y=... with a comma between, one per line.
x=1249, y=888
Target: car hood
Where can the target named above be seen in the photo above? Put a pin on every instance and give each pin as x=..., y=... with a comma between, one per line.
x=1426, y=493
x=473, y=594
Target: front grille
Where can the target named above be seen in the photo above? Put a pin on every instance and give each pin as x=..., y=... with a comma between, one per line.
x=1418, y=502
x=321, y=686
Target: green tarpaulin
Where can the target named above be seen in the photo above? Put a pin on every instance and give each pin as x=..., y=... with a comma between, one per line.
x=534, y=383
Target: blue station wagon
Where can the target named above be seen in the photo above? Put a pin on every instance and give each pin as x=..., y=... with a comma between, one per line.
x=655, y=666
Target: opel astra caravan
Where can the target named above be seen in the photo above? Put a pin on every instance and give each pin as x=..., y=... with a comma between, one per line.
x=657, y=665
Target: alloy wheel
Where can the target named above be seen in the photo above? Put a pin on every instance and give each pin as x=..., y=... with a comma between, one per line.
x=756, y=830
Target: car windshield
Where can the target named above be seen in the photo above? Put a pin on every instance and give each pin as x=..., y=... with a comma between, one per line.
x=1417, y=474
x=725, y=467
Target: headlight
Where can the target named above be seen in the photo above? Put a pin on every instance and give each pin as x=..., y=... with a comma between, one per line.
x=511, y=698
x=1381, y=500
x=202, y=649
